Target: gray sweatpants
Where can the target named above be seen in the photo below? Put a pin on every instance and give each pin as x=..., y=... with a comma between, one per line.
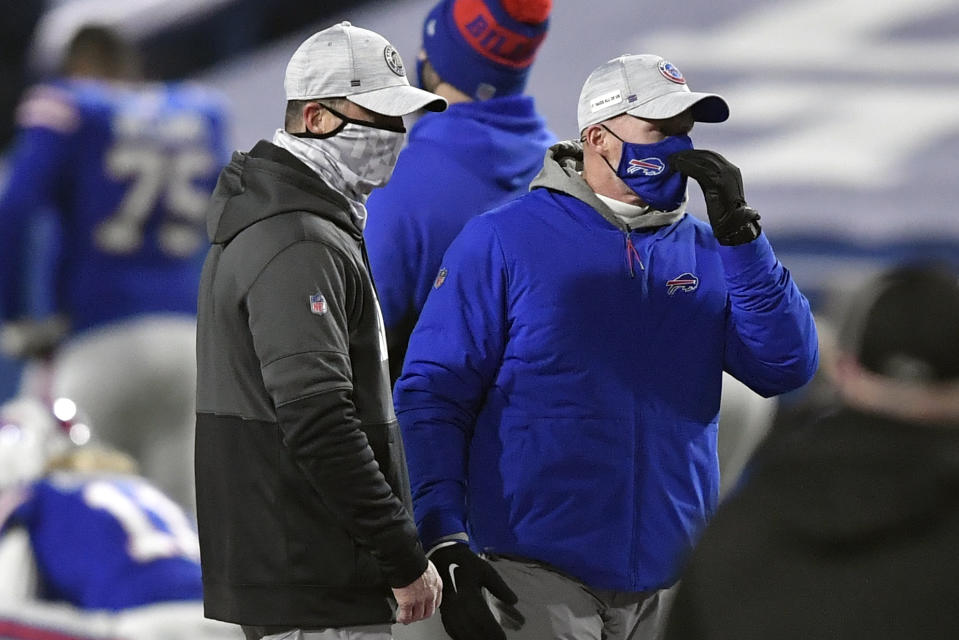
x=560, y=607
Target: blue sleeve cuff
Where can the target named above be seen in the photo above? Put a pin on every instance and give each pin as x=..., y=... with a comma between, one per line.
x=752, y=256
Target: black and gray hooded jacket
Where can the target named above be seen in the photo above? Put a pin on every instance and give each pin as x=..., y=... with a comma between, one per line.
x=302, y=492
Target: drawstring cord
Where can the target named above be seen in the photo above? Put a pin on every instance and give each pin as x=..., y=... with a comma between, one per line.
x=632, y=255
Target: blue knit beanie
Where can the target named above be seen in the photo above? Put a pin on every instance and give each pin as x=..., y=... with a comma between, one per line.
x=485, y=48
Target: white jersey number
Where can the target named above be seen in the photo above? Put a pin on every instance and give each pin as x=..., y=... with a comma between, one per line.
x=161, y=172
x=155, y=526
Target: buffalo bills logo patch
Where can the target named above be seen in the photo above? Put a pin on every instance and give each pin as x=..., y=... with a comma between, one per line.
x=671, y=73
x=648, y=166
x=686, y=283
x=318, y=304
x=440, y=278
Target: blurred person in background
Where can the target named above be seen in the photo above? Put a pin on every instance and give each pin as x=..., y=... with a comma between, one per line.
x=16, y=32
x=745, y=418
x=302, y=492
x=847, y=526
x=560, y=396
x=127, y=167
x=88, y=548
x=481, y=152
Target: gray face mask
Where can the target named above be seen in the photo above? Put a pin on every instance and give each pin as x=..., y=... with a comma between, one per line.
x=354, y=161
x=365, y=155
x=366, y=150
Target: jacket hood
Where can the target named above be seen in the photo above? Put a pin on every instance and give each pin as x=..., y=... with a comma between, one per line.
x=269, y=181
x=853, y=477
x=506, y=133
x=563, y=172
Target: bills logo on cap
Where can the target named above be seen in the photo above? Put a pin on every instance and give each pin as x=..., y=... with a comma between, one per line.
x=318, y=304
x=649, y=166
x=393, y=60
x=686, y=282
x=671, y=73
x=440, y=278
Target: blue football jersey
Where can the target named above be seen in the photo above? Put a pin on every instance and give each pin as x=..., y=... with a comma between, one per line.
x=108, y=542
x=128, y=170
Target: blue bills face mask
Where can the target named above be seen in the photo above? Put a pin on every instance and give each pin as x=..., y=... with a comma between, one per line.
x=644, y=169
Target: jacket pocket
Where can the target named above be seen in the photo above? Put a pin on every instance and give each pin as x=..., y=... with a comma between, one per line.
x=680, y=470
x=561, y=483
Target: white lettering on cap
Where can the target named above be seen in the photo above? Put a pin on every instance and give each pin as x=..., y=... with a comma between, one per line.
x=606, y=100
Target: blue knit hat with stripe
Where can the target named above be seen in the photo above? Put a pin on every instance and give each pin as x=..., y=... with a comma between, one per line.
x=485, y=48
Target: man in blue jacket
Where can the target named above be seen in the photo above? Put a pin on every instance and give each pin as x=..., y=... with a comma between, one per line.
x=560, y=395
x=478, y=154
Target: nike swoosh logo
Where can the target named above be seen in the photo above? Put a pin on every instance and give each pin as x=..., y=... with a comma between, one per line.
x=452, y=571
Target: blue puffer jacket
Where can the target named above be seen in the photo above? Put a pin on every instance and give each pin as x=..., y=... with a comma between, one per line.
x=560, y=395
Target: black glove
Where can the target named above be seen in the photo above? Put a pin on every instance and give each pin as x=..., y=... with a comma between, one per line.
x=732, y=220
x=464, y=610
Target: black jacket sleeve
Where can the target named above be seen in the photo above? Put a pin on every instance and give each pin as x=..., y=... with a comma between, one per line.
x=302, y=311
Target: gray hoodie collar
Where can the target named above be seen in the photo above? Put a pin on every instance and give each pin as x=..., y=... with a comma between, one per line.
x=562, y=172
x=270, y=181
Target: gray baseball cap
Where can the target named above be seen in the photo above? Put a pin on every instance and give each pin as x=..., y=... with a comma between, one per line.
x=645, y=86
x=344, y=61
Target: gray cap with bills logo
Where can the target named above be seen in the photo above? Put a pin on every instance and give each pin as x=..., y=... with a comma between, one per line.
x=645, y=86
x=344, y=61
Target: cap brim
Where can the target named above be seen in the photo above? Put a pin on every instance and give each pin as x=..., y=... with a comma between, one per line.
x=398, y=101
x=707, y=107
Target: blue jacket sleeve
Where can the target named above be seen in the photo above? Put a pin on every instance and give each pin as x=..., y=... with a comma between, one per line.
x=37, y=162
x=771, y=340
x=454, y=354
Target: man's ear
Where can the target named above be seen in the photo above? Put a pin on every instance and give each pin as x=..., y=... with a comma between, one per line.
x=594, y=136
x=318, y=119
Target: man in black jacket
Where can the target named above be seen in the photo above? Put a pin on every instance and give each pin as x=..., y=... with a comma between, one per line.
x=847, y=528
x=302, y=492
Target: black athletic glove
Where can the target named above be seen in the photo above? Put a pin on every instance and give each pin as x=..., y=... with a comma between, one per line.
x=464, y=610
x=732, y=220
